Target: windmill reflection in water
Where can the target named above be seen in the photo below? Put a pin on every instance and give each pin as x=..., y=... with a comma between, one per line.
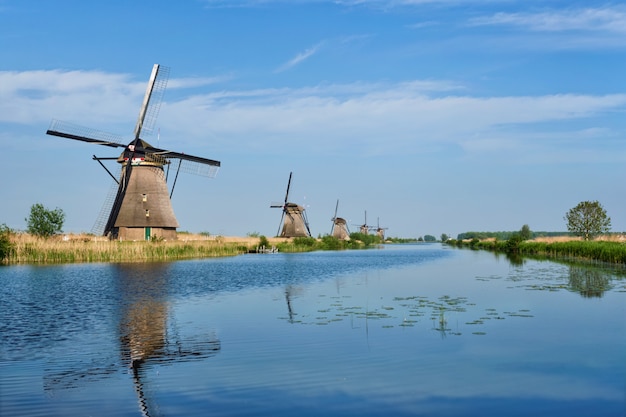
x=147, y=334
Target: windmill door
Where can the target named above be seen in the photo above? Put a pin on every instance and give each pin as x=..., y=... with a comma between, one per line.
x=148, y=232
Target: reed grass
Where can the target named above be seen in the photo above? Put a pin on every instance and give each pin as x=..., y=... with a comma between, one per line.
x=613, y=252
x=28, y=249
x=603, y=251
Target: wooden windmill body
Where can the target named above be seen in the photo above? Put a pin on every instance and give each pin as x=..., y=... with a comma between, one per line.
x=340, y=226
x=142, y=207
x=293, y=219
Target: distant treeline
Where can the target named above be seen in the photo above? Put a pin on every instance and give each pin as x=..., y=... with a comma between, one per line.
x=506, y=235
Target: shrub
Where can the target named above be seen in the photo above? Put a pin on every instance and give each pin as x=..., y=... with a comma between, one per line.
x=304, y=241
x=512, y=244
x=264, y=242
x=6, y=246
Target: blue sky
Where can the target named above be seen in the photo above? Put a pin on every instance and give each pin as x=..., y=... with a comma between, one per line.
x=434, y=116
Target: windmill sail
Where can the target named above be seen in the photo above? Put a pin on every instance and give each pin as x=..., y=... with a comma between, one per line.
x=152, y=100
x=101, y=220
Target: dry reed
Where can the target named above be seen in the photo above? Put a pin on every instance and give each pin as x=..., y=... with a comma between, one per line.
x=31, y=249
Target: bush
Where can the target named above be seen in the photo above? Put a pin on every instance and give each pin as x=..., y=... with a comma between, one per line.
x=512, y=245
x=6, y=246
x=367, y=240
x=263, y=242
x=331, y=243
x=304, y=241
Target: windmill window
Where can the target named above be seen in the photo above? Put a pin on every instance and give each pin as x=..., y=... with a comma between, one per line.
x=147, y=213
x=144, y=197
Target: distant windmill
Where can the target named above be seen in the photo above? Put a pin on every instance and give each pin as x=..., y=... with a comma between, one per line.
x=339, y=229
x=293, y=219
x=141, y=208
x=364, y=228
x=380, y=231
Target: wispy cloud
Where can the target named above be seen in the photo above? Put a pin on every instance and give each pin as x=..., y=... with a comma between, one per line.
x=385, y=118
x=299, y=58
x=606, y=19
x=192, y=82
x=398, y=118
x=80, y=96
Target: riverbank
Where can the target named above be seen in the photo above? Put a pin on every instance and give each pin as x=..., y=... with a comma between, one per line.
x=609, y=249
x=28, y=249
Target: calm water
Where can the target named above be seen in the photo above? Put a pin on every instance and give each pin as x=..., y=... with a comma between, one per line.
x=410, y=330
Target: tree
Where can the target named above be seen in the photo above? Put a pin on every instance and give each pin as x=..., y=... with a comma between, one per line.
x=430, y=238
x=444, y=237
x=43, y=222
x=525, y=233
x=588, y=219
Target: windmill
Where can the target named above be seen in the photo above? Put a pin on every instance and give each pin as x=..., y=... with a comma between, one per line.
x=380, y=231
x=141, y=207
x=293, y=219
x=339, y=229
x=364, y=228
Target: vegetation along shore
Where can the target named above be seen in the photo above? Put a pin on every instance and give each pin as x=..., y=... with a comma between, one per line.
x=609, y=248
x=25, y=248
x=588, y=239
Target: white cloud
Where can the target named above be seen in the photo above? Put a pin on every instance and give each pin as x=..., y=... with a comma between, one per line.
x=384, y=118
x=398, y=118
x=83, y=97
x=300, y=57
x=192, y=82
x=606, y=19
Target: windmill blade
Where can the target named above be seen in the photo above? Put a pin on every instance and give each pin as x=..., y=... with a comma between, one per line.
x=202, y=169
x=152, y=100
x=288, y=185
x=281, y=223
x=188, y=163
x=306, y=222
x=334, y=219
x=190, y=158
x=84, y=134
x=100, y=223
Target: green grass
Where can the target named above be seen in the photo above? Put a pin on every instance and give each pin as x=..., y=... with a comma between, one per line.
x=596, y=250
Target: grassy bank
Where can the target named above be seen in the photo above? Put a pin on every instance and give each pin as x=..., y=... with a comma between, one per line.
x=596, y=250
x=23, y=248
x=27, y=249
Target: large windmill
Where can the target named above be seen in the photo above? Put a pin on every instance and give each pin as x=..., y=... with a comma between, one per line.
x=142, y=206
x=340, y=226
x=293, y=219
